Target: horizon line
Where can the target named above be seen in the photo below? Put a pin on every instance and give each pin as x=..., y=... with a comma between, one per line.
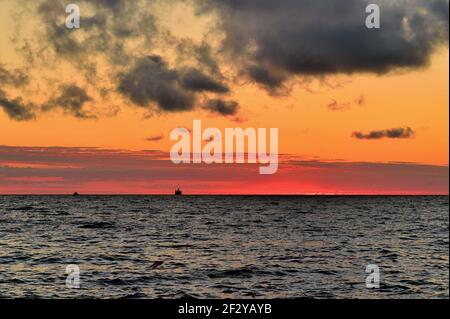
x=224, y=194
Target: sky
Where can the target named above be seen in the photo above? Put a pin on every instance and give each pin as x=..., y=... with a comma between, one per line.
x=359, y=111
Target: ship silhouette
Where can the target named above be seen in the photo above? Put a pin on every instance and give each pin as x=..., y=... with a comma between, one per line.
x=178, y=192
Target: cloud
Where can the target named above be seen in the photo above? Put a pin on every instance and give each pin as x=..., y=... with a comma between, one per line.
x=121, y=46
x=152, y=81
x=44, y=170
x=222, y=107
x=104, y=30
x=203, y=54
x=16, y=109
x=15, y=78
x=196, y=81
x=394, y=133
x=334, y=105
x=155, y=138
x=114, y=5
x=72, y=100
x=276, y=40
x=268, y=78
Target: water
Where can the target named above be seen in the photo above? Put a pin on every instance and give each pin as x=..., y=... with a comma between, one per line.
x=224, y=247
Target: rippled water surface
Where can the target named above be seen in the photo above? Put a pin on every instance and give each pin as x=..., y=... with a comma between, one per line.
x=224, y=246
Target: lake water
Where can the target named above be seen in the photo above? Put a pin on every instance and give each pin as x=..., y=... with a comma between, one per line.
x=224, y=246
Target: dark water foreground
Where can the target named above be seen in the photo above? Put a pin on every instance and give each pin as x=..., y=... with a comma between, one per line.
x=224, y=246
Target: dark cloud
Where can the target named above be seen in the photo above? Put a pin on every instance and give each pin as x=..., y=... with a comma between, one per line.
x=264, y=76
x=203, y=54
x=105, y=31
x=269, y=42
x=197, y=81
x=152, y=81
x=328, y=37
x=62, y=40
x=114, y=5
x=16, y=109
x=394, y=133
x=72, y=100
x=222, y=107
x=15, y=78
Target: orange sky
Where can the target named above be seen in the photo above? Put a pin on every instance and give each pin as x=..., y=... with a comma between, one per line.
x=308, y=128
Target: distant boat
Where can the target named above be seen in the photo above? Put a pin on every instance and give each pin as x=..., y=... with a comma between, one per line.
x=76, y=194
x=178, y=192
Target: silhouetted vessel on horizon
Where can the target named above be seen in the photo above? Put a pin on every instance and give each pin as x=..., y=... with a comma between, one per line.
x=178, y=192
x=76, y=194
